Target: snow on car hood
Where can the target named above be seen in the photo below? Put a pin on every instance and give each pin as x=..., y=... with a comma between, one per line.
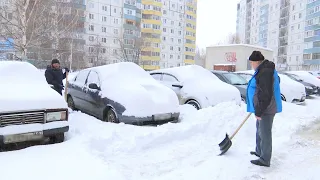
x=141, y=95
x=307, y=77
x=141, y=98
x=210, y=92
x=291, y=89
x=23, y=87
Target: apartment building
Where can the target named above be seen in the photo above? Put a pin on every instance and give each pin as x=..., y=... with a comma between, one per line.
x=281, y=26
x=153, y=33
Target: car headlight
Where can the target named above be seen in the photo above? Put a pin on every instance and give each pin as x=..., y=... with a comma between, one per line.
x=56, y=116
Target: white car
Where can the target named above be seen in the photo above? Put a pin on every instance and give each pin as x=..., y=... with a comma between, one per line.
x=307, y=77
x=196, y=86
x=315, y=73
x=122, y=93
x=29, y=109
x=291, y=91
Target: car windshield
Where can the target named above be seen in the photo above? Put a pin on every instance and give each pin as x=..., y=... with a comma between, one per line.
x=235, y=79
x=295, y=77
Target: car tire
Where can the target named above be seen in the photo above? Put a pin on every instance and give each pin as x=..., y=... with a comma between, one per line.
x=194, y=103
x=70, y=103
x=111, y=116
x=58, y=138
x=283, y=98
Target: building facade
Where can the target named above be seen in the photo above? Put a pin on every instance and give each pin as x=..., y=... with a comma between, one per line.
x=281, y=26
x=152, y=33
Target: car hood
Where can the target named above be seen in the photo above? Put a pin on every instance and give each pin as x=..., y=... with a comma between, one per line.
x=209, y=93
x=143, y=99
x=242, y=89
x=24, y=97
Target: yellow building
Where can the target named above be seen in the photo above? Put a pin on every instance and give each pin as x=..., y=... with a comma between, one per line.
x=168, y=30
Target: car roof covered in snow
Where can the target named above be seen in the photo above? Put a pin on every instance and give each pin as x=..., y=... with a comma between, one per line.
x=13, y=71
x=184, y=73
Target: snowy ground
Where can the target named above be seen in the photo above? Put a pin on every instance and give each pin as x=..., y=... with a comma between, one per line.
x=188, y=150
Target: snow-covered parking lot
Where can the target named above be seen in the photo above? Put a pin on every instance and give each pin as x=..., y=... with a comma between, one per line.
x=96, y=150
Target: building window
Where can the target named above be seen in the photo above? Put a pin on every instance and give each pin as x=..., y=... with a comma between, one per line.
x=91, y=38
x=104, y=18
x=104, y=8
x=104, y=40
x=104, y=29
x=91, y=28
x=115, y=31
x=91, y=16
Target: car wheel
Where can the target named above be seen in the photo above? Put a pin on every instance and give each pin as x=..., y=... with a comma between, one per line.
x=59, y=138
x=110, y=116
x=70, y=103
x=194, y=103
x=283, y=98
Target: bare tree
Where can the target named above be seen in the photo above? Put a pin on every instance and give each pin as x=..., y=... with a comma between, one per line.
x=130, y=49
x=233, y=39
x=200, y=57
x=26, y=22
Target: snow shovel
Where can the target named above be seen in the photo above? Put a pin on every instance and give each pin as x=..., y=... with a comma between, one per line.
x=66, y=87
x=226, y=143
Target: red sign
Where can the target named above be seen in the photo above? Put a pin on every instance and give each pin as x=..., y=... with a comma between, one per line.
x=231, y=56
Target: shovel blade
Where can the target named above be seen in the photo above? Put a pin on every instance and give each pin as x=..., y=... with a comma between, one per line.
x=225, y=145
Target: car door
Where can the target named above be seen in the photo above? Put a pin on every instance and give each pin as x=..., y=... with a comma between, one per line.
x=93, y=99
x=76, y=89
x=170, y=80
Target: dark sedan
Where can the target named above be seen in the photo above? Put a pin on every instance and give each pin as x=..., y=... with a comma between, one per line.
x=122, y=92
x=310, y=88
x=235, y=80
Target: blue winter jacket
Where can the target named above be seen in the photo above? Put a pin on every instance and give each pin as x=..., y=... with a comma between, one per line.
x=263, y=92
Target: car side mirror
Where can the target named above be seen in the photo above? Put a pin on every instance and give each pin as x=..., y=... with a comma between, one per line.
x=177, y=85
x=94, y=86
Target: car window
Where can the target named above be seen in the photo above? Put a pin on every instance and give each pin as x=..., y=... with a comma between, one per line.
x=93, y=78
x=157, y=76
x=220, y=77
x=168, y=78
x=235, y=79
x=81, y=77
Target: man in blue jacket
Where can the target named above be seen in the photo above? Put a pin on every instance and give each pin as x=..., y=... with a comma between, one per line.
x=264, y=100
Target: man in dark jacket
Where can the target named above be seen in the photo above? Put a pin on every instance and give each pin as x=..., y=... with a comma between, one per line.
x=55, y=76
x=264, y=100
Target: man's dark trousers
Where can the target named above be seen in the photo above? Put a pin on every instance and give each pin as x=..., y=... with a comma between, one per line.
x=264, y=138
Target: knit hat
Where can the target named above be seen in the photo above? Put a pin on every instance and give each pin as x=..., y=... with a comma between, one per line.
x=256, y=56
x=54, y=61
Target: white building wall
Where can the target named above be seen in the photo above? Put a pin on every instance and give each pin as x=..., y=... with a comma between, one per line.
x=106, y=19
x=173, y=30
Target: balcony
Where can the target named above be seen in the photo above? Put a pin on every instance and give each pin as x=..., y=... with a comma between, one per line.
x=284, y=4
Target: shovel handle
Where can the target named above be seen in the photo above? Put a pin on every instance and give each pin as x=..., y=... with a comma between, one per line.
x=240, y=126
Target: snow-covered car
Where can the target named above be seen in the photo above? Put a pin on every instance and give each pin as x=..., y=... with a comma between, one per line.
x=196, y=86
x=235, y=80
x=122, y=92
x=315, y=73
x=30, y=110
x=310, y=88
x=307, y=77
x=291, y=91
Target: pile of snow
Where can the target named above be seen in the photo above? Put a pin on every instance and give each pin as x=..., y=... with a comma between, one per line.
x=203, y=86
x=187, y=150
x=24, y=87
x=307, y=77
x=131, y=86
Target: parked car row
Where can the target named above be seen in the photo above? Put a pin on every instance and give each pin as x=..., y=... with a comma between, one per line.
x=122, y=93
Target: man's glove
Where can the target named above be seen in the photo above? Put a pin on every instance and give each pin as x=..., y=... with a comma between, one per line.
x=67, y=69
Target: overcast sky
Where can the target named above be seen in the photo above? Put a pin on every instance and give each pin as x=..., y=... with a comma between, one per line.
x=216, y=19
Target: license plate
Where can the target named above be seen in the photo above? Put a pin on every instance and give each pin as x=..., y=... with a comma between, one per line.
x=23, y=137
x=159, y=117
